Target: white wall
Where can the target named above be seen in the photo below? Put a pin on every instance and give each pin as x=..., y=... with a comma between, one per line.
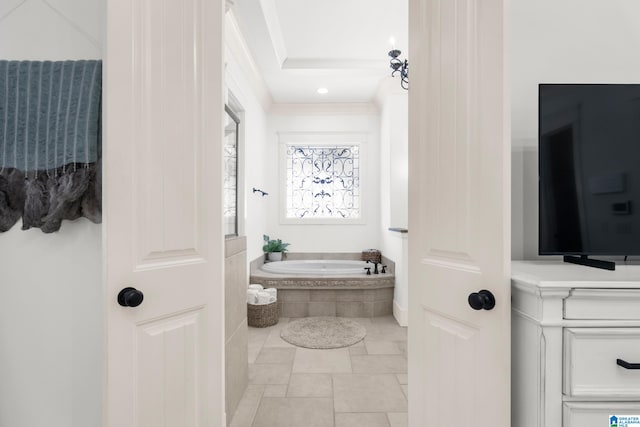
x=246, y=88
x=336, y=118
x=394, y=140
x=51, y=302
x=569, y=41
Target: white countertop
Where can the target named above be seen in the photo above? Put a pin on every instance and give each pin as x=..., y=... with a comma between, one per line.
x=557, y=274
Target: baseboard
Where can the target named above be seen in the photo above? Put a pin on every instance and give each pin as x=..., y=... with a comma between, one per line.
x=401, y=315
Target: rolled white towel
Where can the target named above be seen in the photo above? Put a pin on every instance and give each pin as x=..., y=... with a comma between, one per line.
x=256, y=287
x=252, y=296
x=273, y=292
x=265, y=298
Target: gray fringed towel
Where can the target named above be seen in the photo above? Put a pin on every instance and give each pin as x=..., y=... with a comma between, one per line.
x=49, y=142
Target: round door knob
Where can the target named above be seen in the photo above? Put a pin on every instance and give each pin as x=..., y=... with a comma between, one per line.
x=483, y=300
x=130, y=297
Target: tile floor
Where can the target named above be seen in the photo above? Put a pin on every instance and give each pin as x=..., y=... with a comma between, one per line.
x=362, y=385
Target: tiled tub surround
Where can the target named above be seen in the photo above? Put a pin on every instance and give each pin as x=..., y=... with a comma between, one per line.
x=348, y=296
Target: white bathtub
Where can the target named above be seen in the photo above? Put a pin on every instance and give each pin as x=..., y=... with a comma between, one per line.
x=329, y=267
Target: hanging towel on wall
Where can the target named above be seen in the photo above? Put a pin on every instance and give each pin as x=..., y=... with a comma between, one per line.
x=50, y=132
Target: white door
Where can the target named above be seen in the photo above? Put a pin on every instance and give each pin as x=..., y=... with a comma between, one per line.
x=163, y=213
x=459, y=216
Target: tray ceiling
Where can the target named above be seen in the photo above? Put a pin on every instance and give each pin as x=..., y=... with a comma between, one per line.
x=302, y=45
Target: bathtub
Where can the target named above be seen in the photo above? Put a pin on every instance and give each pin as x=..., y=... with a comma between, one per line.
x=320, y=267
x=327, y=287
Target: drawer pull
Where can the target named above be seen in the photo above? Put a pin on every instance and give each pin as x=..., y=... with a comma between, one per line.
x=627, y=365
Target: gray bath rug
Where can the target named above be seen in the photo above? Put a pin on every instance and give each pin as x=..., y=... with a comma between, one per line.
x=323, y=332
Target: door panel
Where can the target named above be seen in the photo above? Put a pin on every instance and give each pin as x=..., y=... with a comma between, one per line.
x=163, y=212
x=167, y=386
x=459, y=358
x=167, y=150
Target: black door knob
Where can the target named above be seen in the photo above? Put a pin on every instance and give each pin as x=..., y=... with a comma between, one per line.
x=130, y=297
x=483, y=300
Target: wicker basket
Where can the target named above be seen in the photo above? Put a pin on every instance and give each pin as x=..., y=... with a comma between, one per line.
x=262, y=315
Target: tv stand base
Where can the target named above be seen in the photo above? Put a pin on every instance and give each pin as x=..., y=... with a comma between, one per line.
x=584, y=260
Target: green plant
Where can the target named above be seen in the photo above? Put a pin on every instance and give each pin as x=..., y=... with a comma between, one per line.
x=273, y=245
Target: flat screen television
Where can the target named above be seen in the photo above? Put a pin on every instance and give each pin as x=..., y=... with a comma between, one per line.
x=589, y=171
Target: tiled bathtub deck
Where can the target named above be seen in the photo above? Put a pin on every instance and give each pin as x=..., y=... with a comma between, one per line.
x=301, y=295
x=362, y=385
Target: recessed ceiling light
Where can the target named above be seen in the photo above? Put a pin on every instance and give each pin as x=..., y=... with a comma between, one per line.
x=323, y=90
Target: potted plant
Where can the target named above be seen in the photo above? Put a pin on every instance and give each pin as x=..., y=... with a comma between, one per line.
x=274, y=248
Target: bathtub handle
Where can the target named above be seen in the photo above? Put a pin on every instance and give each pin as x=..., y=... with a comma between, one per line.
x=384, y=269
x=368, y=271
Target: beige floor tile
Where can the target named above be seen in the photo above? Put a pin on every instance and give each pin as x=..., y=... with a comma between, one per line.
x=310, y=385
x=405, y=390
x=403, y=346
x=253, y=351
x=276, y=355
x=255, y=332
x=398, y=419
x=368, y=393
x=403, y=378
x=257, y=337
x=248, y=406
x=385, y=328
x=357, y=351
x=379, y=364
x=274, y=340
x=279, y=390
x=311, y=361
x=292, y=386
x=362, y=420
x=386, y=332
x=294, y=412
x=364, y=321
x=382, y=347
x=386, y=320
x=271, y=373
x=358, y=344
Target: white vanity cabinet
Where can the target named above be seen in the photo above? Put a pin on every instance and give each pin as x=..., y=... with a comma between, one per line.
x=570, y=324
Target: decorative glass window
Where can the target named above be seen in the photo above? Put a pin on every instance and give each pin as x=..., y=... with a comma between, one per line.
x=322, y=181
x=230, y=203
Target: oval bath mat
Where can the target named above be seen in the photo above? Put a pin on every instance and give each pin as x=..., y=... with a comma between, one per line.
x=323, y=332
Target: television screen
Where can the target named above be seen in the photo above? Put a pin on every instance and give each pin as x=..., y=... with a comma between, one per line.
x=589, y=169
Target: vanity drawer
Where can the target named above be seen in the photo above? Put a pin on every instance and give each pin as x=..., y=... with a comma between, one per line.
x=595, y=414
x=590, y=368
x=603, y=304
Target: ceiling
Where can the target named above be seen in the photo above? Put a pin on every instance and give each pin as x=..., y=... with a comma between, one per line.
x=342, y=45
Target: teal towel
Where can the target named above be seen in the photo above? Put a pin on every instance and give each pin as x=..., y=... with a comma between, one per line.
x=49, y=113
x=50, y=143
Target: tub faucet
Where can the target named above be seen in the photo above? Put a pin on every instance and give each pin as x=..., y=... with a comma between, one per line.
x=375, y=266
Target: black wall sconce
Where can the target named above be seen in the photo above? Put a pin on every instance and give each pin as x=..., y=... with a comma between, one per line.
x=401, y=67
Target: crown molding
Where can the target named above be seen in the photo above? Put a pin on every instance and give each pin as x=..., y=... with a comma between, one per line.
x=271, y=19
x=325, y=109
x=238, y=48
x=333, y=64
x=389, y=86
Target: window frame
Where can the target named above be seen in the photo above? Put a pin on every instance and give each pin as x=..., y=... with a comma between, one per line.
x=235, y=118
x=323, y=139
